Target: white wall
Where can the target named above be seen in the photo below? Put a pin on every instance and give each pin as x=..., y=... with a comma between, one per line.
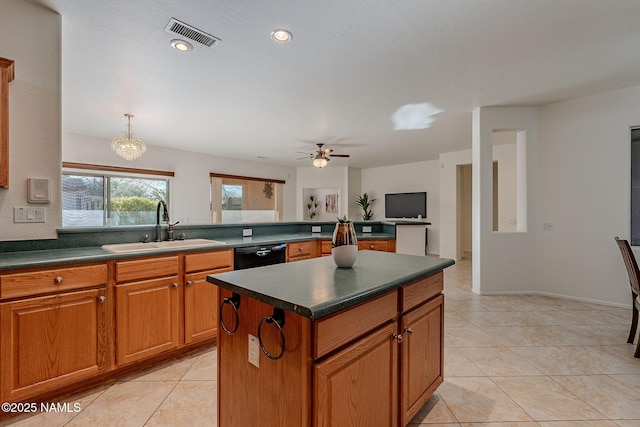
x=502, y=262
x=34, y=113
x=328, y=177
x=354, y=190
x=320, y=195
x=584, y=186
x=190, y=188
x=412, y=177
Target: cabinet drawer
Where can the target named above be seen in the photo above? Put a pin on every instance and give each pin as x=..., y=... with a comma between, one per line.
x=420, y=291
x=337, y=330
x=46, y=281
x=209, y=261
x=373, y=245
x=301, y=250
x=146, y=268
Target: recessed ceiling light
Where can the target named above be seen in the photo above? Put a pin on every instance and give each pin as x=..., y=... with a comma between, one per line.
x=281, y=35
x=181, y=45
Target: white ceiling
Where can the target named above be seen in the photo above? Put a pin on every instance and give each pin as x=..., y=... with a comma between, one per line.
x=350, y=65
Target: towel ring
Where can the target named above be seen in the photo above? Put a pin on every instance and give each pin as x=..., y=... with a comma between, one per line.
x=278, y=319
x=234, y=301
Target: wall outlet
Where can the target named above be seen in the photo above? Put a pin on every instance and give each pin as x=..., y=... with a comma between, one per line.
x=254, y=351
x=28, y=214
x=316, y=229
x=247, y=232
x=548, y=226
x=366, y=229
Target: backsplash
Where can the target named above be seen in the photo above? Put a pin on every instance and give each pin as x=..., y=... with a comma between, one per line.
x=93, y=237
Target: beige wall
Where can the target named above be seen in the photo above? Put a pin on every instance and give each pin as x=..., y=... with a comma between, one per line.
x=34, y=113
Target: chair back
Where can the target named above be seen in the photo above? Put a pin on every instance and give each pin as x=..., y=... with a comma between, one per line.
x=631, y=264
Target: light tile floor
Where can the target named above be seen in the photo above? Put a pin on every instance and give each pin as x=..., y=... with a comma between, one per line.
x=509, y=361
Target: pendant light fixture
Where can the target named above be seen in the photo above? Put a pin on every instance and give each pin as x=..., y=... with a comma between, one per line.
x=128, y=148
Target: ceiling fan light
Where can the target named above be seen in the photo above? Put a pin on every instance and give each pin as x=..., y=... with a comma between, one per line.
x=320, y=161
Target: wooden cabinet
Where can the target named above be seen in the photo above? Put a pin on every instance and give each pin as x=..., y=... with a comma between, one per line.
x=325, y=247
x=365, y=368
x=147, y=307
x=50, y=341
x=368, y=244
x=358, y=386
x=201, y=297
x=6, y=76
x=165, y=302
x=297, y=251
x=422, y=355
x=375, y=363
x=147, y=318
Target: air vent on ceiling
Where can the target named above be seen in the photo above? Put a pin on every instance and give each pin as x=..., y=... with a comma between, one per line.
x=180, y=28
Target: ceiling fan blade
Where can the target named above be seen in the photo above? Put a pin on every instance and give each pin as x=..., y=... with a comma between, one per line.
x=305, y=157
x=340, y=155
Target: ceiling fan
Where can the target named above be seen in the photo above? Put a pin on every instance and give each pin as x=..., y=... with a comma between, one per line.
x=321, y=157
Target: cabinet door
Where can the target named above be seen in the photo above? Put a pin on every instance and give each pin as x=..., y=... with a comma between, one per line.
x=422, y=355
x=325, y=247
x=359, y=386
x=51, y=341
x=147, y=318
x=200, y=307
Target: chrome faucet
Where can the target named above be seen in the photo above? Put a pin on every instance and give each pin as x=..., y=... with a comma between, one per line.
x=165, y=218
x=170, y=231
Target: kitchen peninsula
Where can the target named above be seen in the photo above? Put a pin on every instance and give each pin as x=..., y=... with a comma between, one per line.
x=307, y=343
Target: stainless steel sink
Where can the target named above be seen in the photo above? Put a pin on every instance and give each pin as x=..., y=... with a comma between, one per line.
x=124, y=248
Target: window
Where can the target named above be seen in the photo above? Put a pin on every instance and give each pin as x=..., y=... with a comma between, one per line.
x=237, y=199
x=98, y=200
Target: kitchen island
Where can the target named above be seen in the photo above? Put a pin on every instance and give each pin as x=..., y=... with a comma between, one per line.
x=309, y=344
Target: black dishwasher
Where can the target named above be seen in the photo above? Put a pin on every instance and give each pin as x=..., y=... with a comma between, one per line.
x=258, y=256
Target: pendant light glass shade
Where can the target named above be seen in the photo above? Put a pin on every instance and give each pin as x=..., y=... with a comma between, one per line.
x=128, y=148
x=320, y=161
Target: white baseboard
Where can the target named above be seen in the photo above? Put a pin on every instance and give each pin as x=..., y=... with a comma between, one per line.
x=550, y=294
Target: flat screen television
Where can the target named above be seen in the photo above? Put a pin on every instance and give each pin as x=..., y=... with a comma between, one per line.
x=405, y=205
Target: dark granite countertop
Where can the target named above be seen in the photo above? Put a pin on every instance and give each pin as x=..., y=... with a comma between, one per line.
x=42, y=258
x=315, y=288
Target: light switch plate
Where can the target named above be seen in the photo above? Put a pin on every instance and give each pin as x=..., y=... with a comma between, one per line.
x=316, y=229
x=23, y=214
x=366, y=229
x=247, y=232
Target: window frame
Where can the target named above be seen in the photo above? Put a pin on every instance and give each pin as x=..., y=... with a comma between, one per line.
x=90, y=170
x=279, y=207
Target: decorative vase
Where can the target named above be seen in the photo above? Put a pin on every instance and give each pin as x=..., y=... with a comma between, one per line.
x=344, y=245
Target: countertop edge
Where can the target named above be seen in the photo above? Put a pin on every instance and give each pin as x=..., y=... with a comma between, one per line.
x=332, y=306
